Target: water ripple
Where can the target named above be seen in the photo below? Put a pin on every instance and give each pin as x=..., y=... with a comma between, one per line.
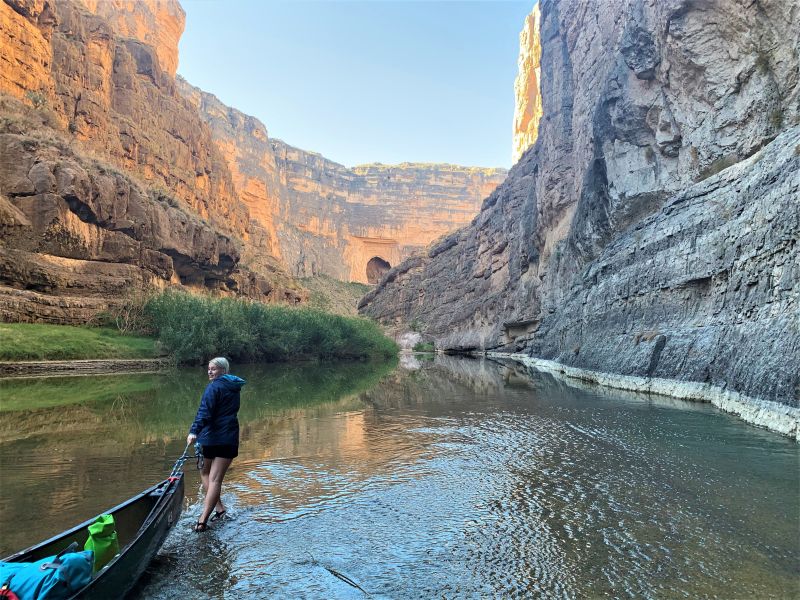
x=467, y=479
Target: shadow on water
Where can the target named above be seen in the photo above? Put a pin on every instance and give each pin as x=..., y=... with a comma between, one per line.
x=442, y=478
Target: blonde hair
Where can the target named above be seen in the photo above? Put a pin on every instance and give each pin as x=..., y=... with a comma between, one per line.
x=221, y=362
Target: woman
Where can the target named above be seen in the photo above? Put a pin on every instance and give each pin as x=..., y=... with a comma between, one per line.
x=217, y=429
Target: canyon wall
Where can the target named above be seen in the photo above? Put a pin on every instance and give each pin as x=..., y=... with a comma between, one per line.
x=118, y=175
x=110, y=91
x=158, y=24
x=527, y=95
x=652, y=230
x=326, y=219
x=353, y=224
x=108, y=178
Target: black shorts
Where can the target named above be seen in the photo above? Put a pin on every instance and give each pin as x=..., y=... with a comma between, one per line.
x=222, y=451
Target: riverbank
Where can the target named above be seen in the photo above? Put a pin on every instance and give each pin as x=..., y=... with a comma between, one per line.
x=61, y=368
x=23, y=342
x=190, y=329
x=776, y=417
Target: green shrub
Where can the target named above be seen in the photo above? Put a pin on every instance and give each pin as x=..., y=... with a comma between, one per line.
x=424, y=347
x=37, y=99
x=195, y=328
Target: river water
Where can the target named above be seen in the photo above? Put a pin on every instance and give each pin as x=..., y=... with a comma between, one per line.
x=445, y=478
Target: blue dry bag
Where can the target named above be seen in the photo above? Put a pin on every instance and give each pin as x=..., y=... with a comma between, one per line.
x=52, y=578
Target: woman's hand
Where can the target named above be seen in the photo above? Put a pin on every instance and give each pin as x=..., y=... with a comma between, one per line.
x=190, y=439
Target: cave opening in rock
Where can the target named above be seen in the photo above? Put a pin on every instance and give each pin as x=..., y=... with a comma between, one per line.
x=376, y=268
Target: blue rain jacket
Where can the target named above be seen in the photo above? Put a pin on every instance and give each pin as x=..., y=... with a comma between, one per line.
x=216, y=423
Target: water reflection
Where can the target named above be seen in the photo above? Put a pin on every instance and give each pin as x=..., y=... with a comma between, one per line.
x=447, y=478
x=87, y=443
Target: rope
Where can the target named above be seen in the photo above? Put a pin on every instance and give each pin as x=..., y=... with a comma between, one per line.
x=198, y=456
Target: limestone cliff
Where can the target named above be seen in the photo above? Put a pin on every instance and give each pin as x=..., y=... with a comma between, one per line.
x=78, y=235
x=325, y=219
x=158, y=23
x=111, y=92
x=215, y=203
x=653, y=228
x=527, y=96
x=26, y=29
x=243, y=143
x=353, y=224
x=102, y=103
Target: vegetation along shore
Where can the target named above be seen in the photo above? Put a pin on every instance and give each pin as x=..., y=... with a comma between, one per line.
x=185, y=329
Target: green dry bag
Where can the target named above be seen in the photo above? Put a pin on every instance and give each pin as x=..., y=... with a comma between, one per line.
x=102, y=540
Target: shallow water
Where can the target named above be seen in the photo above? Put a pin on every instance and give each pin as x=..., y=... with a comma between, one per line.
x=451, y=478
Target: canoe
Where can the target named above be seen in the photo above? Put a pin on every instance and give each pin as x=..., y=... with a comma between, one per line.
x=142, y=523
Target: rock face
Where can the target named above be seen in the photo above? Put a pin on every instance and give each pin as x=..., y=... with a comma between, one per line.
x=80, y=230
x=158, y=24
x=204, y=191
x=527, y=96
x=653, y=228
x=325, y=219
x=26, y=29
x=243, y=143
x=103, y=106
x=112, y=93
x=353, y=224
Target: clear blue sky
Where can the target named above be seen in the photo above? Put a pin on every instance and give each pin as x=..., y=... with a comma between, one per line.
x=365, y=82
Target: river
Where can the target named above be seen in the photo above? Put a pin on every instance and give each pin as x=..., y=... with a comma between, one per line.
x=445, y=478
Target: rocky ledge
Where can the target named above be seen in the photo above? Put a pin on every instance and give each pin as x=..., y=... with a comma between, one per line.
x=79, y=236
x=68, y=368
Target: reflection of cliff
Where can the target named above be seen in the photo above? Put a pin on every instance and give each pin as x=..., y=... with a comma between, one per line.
x=447, y=384
x=161, y=406
x=113, y=436
x=438, y=385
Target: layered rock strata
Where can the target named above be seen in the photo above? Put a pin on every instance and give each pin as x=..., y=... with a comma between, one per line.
x=353, y=224
x=652, y=229
x=158, y=23
x=26, y=28
x=243, y=143
x=78, y=235
x=325, y=219
x=104, y=106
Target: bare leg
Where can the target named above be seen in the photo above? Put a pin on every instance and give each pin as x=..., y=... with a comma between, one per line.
x=204, y=474
x=213, y=485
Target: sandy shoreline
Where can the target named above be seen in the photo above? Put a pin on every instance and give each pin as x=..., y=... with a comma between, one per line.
x=62, y=368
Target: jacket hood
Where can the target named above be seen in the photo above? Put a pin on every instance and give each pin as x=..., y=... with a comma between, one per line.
x=231, y=381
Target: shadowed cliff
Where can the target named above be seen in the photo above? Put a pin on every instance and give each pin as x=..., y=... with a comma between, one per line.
x=652, y=229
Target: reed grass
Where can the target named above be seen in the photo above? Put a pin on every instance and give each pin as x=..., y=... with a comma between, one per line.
x=193, y=328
